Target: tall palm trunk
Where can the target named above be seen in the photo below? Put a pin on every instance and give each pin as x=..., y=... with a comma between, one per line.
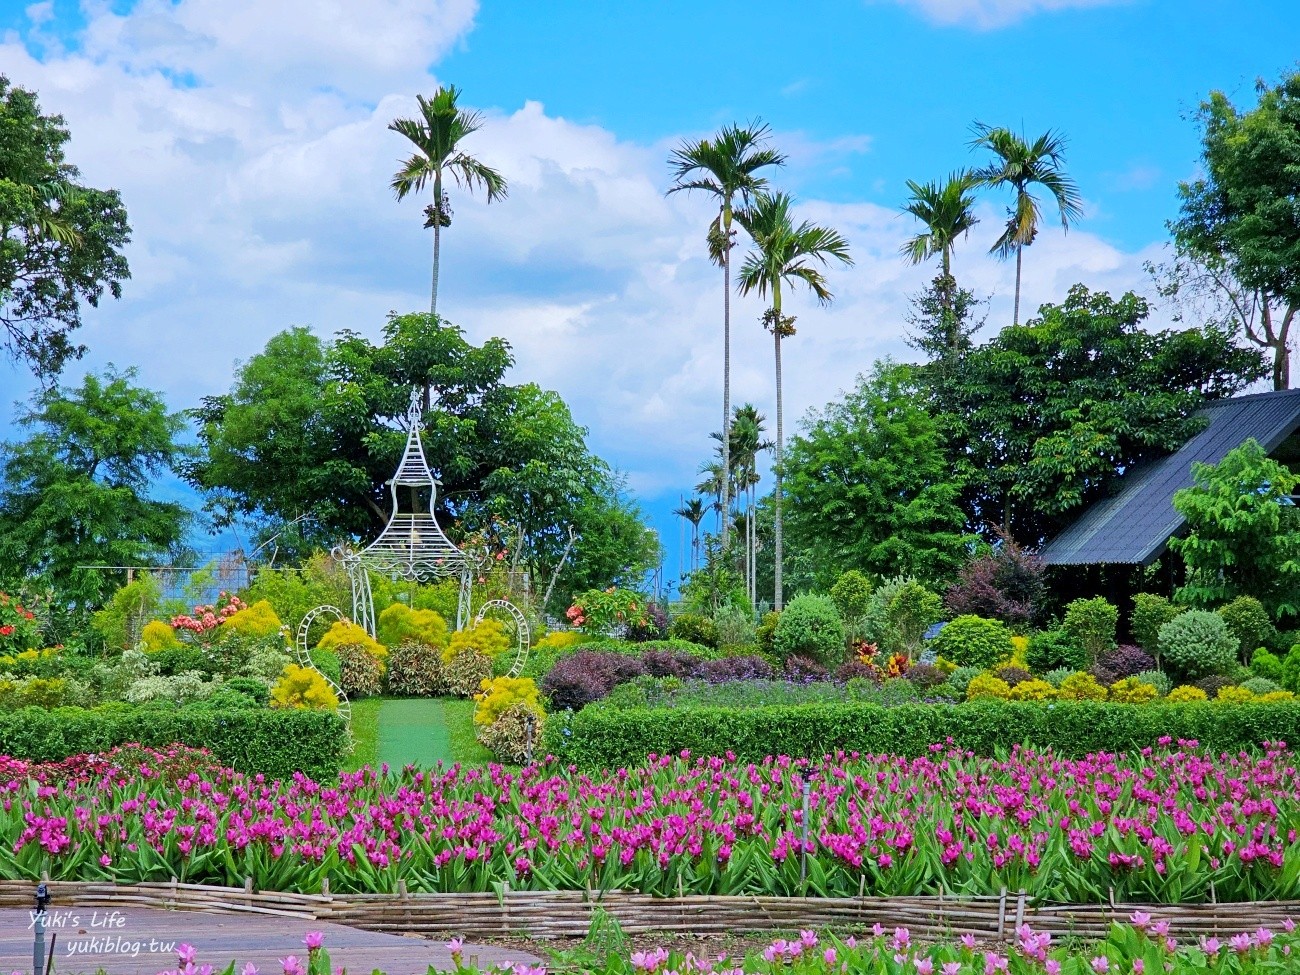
x=1020, y=253
x=726, y=370
x=778, y=601
x=437, y=240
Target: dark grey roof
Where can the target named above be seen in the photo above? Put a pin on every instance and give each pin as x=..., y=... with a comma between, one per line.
x=1134, y=526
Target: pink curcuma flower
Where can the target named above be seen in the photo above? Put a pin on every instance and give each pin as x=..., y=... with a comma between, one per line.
x=1140, y=920
x=1240, y=943
x=314, y=940
x=1100, y=964
x=968, y=941
x=187, y=954
x=293, y=966
x=924, y=966
x=249, y=969
x=456, y=946
x=951, y=967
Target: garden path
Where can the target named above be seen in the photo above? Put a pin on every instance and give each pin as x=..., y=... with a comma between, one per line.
x=413, y=731
x=219, y=938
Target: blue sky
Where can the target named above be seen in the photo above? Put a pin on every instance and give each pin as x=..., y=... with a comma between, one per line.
x=249, y=142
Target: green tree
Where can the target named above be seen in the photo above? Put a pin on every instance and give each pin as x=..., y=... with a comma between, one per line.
x=1045, y=416
x=1020, y=164
x=1243, y=532
x=724, y=168
x=437, y=135
x=784, y=254
x=870, y=485
x=1238, y=235
x=60, y=241
x=693, y=512
x=946, y=212
x=75, y=493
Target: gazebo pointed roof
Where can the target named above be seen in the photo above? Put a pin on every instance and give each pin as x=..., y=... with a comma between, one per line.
x=413, y=544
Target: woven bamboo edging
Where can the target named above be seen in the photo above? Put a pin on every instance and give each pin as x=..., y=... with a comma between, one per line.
x=568, y=914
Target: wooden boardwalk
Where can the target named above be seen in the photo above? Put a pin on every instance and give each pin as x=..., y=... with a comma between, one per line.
x=139, y=941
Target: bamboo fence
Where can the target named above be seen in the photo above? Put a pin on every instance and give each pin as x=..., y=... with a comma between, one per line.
x=568, y=914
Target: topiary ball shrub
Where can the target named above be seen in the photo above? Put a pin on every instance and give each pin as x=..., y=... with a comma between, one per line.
x=926, y=676
x=810, y=627
x=1053, y=649
x=804, y=670
x=960, y=679
x=1248, y=622
x=1291, y=669
x=972, y=641
x=1126, y=660
x=1091, y=623
x=416, y=670
x=1197, y=643
x=1265, y=664
x=851, y=594
x=856, y=670
x=1013, y=675
x=1157, y=679
x=258, y=690
x=1150, y=612
x=695, y=628
x=1260, y=685
x=1213, y=684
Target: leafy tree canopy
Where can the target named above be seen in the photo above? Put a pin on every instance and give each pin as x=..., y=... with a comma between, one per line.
x=1045, y=416
x=75, y=492
x=60, y=241
x=1238, y=234
x=315, y=428
x=1243, y=532
x=870, y=485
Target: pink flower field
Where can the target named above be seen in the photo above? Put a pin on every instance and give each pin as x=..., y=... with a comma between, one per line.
x=1168, y=825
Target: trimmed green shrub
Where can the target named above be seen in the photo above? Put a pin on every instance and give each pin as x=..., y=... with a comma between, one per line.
x=960, y=679
x=327, y=662
x=851, y=592
x=1091, y=625
x=1291, y=670
x=1248, y=622
x=253, y=688
x=1053, y=649
x=733, y=626
x=1157, y=679
x=694, y=628
x=1198, y=643
x=767, y=632
x=1260, y=685
x=597, y=737
x=1059, y=675
x=1265, y=664
x=973, y=641
x=1150, y=612
x=275, y=743
x=810, y=627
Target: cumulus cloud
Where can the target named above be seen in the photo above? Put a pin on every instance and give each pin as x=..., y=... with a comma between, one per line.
x=991, y=14
x=259, y=200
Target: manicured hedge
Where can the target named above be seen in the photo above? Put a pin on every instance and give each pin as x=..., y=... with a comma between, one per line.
x=599, y=737
x=273, y=742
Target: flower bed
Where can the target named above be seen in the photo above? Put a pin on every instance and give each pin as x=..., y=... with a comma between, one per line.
x=1162, y=827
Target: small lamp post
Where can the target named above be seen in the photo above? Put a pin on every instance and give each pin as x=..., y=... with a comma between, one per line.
x=38, y=935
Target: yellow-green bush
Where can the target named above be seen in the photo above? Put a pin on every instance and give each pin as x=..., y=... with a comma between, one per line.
x=1019, y=653
x=1186, y=693
x=1081, y=687
x=302, y=687
x=158, y=635
x=1273, y=697
x=987, y=686
x=254, y=622
x=27, y=656
x=499, y=693
x=944, y=665
x=1032, y=690
x=487, y=638
x=346, y=633
x=1233, y=695
x=400, y=623
x=1130, y=690
x=559, y=640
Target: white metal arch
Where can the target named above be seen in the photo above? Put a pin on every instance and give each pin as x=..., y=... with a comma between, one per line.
x=522, y=641
x=304, y=654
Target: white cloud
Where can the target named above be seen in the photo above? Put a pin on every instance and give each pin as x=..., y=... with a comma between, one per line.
x=259, y=204
x=991, y=14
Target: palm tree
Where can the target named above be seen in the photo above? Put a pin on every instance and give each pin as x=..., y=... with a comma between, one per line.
x=693, y=512
x=715, y=482
x=784, y=253
x=436, y=135
x=1019, y=164
x=747, y=429
x=947, y=212
x=725, y=167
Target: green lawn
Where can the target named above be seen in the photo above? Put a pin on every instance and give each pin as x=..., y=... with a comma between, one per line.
x=414, y=731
